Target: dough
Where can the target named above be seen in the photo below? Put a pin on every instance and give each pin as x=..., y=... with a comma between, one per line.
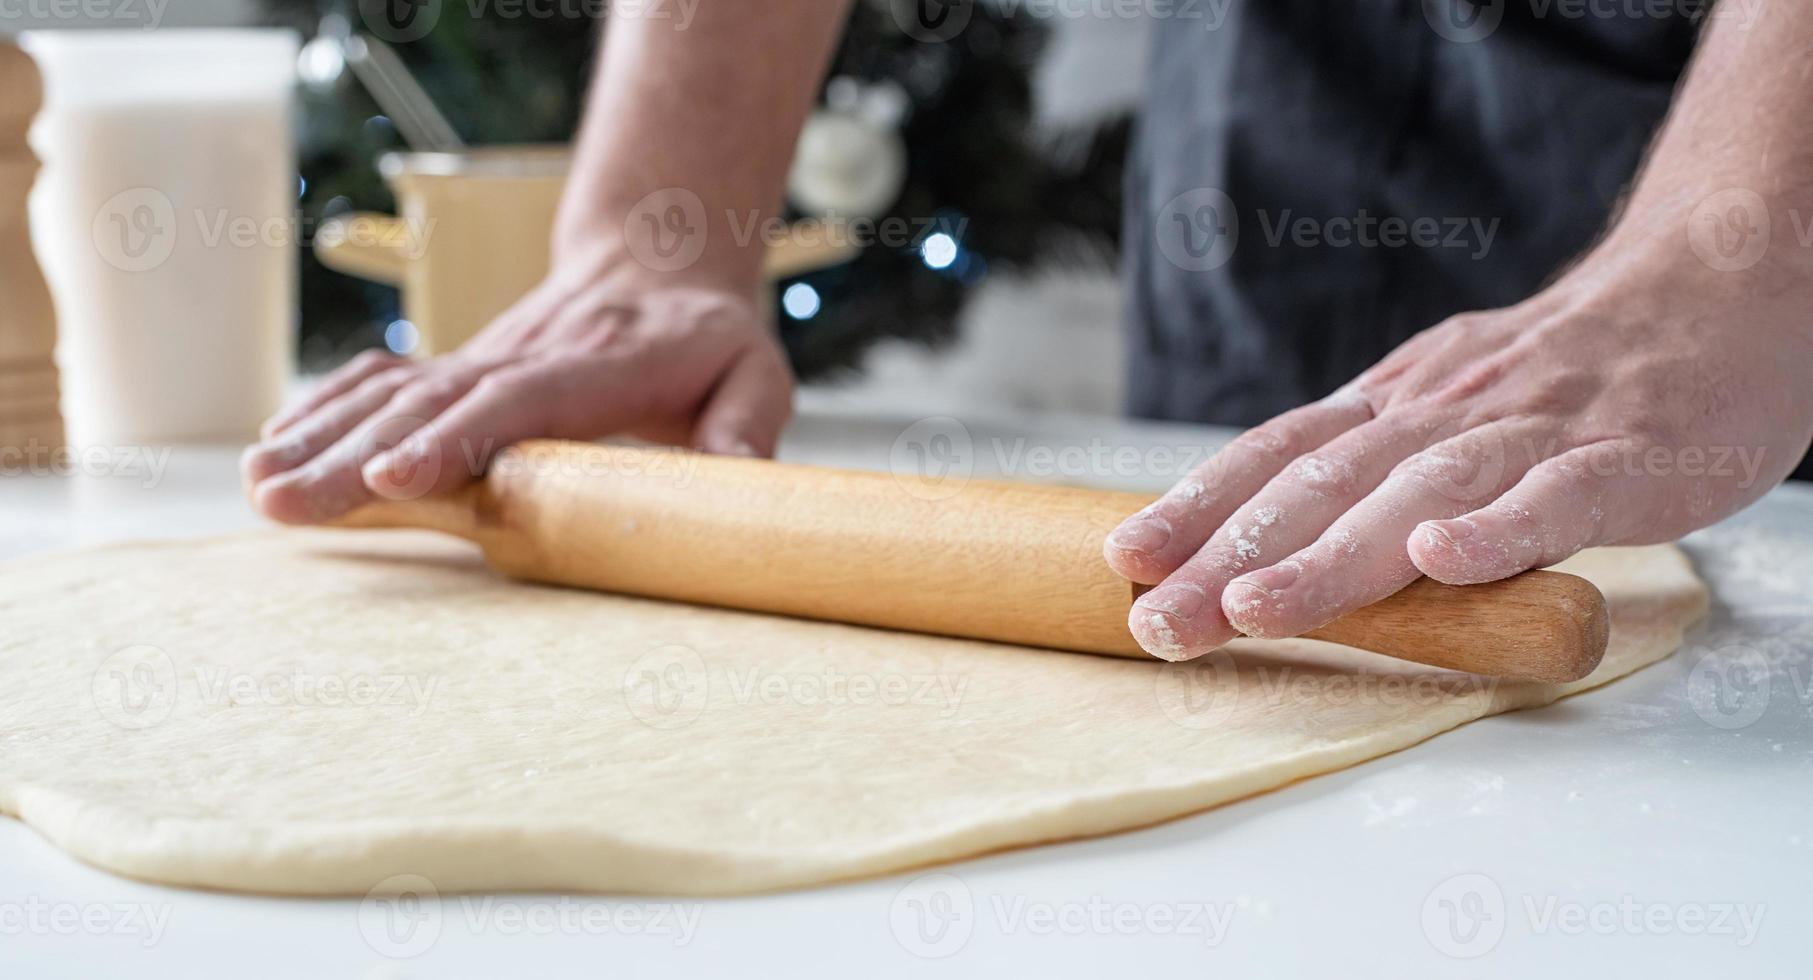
x=313, y=712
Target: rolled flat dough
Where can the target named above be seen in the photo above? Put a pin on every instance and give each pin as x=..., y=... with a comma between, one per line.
x=313, y=712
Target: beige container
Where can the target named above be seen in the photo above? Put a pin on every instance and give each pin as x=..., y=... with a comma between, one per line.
x=473, y=236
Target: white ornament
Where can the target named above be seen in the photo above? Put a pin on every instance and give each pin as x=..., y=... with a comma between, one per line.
x=847, y=165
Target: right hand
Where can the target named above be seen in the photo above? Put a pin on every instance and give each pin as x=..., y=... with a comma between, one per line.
x=583, y=356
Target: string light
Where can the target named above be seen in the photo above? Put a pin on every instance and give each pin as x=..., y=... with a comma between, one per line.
x=801, y=301
x=938, y=251
x=402, y=337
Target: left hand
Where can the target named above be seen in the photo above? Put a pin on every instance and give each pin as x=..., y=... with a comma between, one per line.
x=1616, y=407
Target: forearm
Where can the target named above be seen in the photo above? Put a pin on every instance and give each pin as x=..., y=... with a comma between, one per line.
x=710, y=106
x=1737, y=135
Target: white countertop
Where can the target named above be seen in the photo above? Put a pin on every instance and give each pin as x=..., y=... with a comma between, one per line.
x=1662, y=825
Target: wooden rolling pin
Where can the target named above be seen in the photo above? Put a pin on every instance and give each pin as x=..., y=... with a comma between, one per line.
x=1012, y=562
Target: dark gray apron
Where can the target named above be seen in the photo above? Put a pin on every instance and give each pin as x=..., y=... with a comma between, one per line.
x=1386, y=163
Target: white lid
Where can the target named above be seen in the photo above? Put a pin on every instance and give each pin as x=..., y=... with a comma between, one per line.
x=125, y=67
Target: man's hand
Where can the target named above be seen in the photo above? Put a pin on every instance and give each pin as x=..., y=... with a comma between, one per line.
x=1657, y=387
x=706, y=109
x=1594, y=414
x=578, y=358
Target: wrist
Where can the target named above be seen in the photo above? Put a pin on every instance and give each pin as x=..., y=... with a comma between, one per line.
x=667, y=236
x=1721, y=258
x=1721, y=236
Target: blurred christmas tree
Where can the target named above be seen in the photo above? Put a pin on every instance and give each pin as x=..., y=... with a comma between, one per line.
x=933, y=136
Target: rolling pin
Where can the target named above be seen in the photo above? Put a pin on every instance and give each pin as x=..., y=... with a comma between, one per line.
x=1011, y=562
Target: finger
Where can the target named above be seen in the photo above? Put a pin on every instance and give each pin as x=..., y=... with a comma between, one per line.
x=1152, y=543
x=502, y=409
x=348, y=377
x=308, y=437
x=745, y=413
x=1557, y=509
x=1182, y=618
x=1363, y=557
x=331, y=484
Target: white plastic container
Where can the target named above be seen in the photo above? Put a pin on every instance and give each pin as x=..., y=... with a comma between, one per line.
x=165, y=218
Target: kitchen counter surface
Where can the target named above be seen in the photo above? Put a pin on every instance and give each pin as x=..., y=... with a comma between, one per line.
x=1657, y=826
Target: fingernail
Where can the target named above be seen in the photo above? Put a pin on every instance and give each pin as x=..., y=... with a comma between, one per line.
x=1180, y=601
x=743, y=447
x=1146, y=534
x=1271, y=580
x=1448, y=533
